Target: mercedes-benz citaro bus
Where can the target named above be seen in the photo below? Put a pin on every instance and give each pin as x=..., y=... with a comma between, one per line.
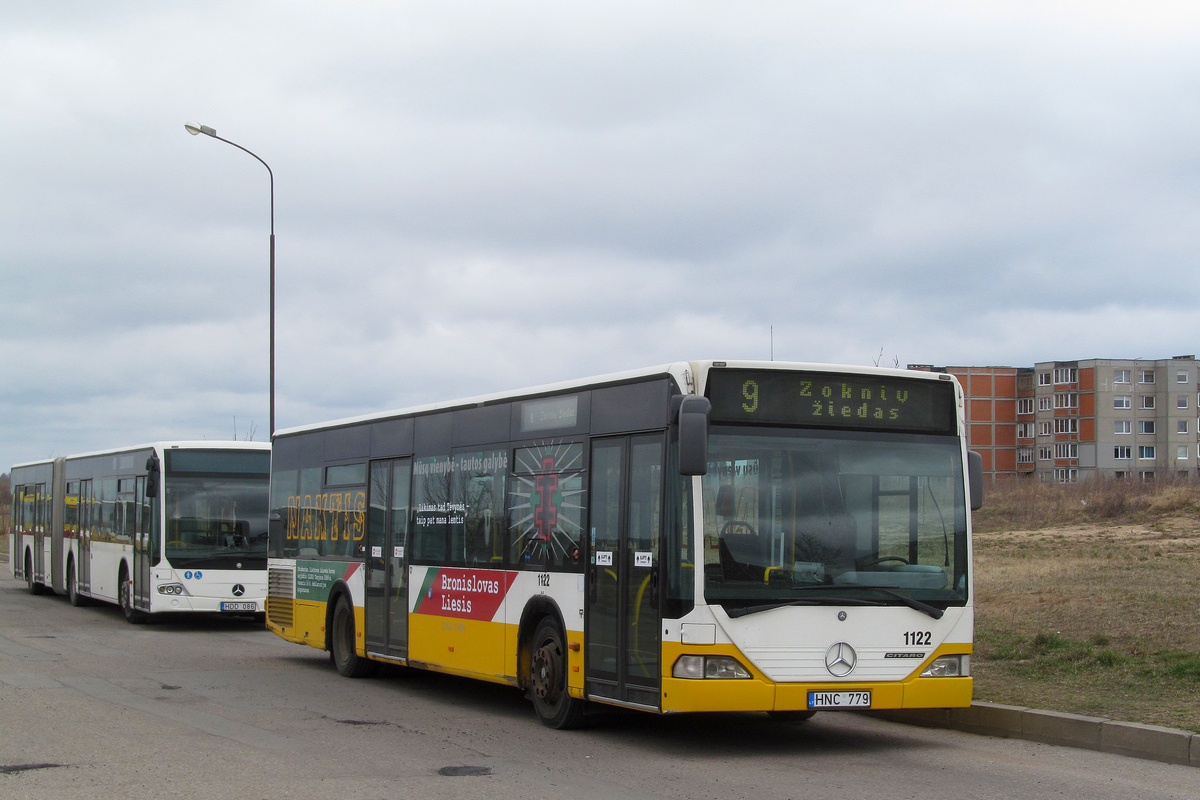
x=700, y=536
x=163, y=527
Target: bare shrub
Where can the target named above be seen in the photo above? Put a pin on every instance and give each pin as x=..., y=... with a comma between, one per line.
x=1028, y=504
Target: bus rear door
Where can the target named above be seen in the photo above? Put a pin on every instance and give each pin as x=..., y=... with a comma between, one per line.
x=386, y=577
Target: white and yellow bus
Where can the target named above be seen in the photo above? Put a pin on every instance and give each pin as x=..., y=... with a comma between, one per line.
x=701, y=536
x=164, y=527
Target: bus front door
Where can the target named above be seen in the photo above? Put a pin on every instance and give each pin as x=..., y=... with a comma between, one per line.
x=83, y=554
x=141, y=547
x=622, y=636
x=386, y=577
x=41, y=525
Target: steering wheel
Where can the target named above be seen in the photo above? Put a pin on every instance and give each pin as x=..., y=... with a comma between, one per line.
x=177, y=543
x=737, y=523
x=871, y=562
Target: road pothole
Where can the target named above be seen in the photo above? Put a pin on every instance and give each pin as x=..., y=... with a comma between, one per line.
x=464, y=770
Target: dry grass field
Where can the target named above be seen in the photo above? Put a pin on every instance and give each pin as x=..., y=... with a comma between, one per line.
x=1086, y=599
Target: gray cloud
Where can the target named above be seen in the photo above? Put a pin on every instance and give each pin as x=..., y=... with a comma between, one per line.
x=472, y=197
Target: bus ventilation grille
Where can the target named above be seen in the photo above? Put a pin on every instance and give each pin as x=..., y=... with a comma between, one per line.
x=280, y=596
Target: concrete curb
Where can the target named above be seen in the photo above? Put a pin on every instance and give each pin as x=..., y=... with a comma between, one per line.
x=1153, y=742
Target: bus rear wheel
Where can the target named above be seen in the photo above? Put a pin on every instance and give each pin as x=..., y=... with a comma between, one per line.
x=548, y=679
x=33, y=586
x=342, y=646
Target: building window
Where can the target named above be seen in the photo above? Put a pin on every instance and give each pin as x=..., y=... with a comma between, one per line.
x=1183, y=473
x=1181, y=401
x=1181, y=426
x=1025, y=455
x=1122, y=401
x=1066, y=450
x=1147, y=376
x=1122, y=426
x=1043, y=379
x=1146, y=475
x=1146, y=452
x=1066, y=425
x=1044, y=454
x=1147, y=401
x=1065, y=375
x=1043, y=429
x=1120, y=474
x=1181, y=377
x=1181, y=453
x=1120, y=376
x=1122, y=452
x=1146, y=426
x=1065, y=475
x=1024, y=430
x=1066, y=400
x=1043, y=404
x=1025, y=405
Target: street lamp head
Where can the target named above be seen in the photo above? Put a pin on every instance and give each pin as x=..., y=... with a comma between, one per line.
x=195, y=127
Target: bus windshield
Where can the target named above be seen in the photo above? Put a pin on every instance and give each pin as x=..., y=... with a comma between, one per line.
x=216, y=521
x=829, y=517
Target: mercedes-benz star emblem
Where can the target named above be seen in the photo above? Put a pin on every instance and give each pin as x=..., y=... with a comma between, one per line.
x=840, y=659
x=239, y=590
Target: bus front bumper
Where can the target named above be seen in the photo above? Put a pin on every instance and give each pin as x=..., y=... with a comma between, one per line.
x=680, y=695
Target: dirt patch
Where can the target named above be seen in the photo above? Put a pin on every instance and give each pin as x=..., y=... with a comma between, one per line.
x=1095, y=619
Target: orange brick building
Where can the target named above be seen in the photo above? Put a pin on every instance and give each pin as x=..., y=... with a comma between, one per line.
x=1067, y=420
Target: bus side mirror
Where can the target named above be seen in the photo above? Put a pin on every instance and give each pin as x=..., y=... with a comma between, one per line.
x=152, y=472
x=975, y=479
x=693, y=435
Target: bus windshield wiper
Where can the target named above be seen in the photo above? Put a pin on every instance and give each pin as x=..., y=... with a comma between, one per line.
x=915, y=605
x=807, y=601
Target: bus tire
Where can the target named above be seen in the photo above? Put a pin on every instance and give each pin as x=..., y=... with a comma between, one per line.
x=341, y=643
x=791, y=716
x=548, y=678
x=73, y=595
x=33, y=586
x=125, y=599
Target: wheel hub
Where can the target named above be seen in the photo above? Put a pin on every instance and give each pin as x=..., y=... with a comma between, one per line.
x=547, y=665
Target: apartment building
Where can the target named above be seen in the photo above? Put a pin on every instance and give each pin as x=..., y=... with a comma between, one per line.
x=1070, y=420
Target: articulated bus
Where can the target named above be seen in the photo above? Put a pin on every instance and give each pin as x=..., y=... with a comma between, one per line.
x=701, y=536
x=164, y=527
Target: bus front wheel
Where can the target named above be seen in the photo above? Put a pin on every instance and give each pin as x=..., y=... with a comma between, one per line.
x=34, y=586
x=341, y=646
x=548, y=679
x=73, y=594
x=125, y=600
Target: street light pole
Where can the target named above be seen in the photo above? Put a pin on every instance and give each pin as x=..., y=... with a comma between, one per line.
x=194, y=128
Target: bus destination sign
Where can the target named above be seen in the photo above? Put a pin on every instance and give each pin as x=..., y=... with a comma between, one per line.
x=831, y=400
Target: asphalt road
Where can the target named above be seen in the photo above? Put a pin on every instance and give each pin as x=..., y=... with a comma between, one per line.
x=219, y=708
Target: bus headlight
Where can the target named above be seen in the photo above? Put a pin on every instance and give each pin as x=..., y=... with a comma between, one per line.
x=718, y=667
x=171, y=588
x=948, y=667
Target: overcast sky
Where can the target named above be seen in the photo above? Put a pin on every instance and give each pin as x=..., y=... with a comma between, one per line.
x=472, y=197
